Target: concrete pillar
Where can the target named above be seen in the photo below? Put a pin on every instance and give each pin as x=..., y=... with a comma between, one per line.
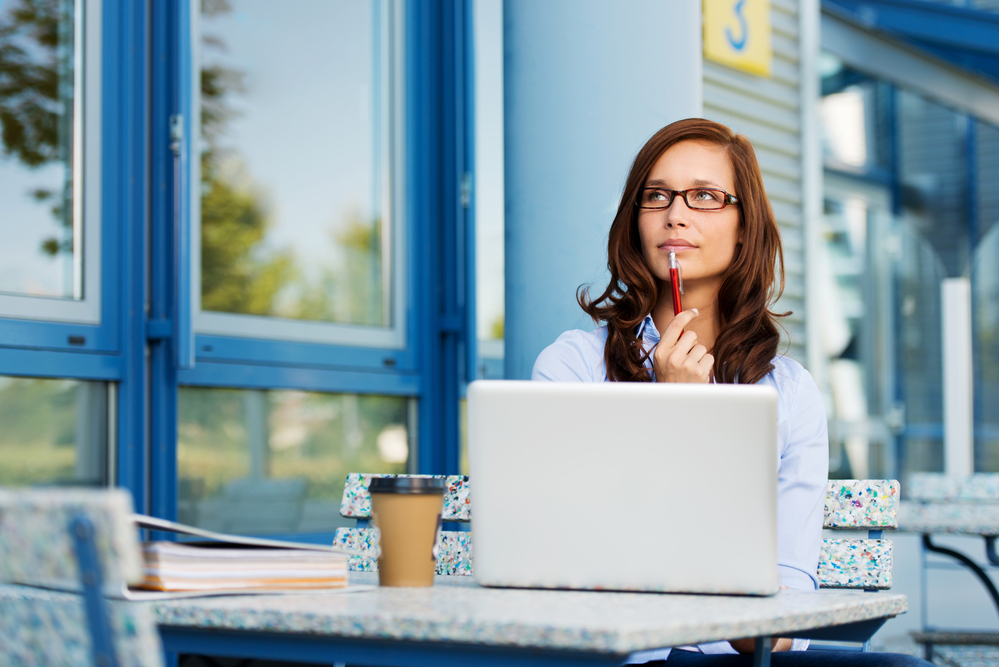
x=958, y=378
x=587, y=82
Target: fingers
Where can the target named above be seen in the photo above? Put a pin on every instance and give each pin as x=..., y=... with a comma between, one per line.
x=678, y=357
x=706, y=363
x=693, y=365
x=684, y=362
x=672, y=333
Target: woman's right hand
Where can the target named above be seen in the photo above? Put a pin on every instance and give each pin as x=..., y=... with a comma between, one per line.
x=679, y=358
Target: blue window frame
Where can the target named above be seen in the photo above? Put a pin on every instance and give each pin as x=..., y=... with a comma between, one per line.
x=145, y=344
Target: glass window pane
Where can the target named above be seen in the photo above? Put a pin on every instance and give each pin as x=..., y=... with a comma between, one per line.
x=854, y=111
x=933, y=166
x=920, y=353
x=294, y=204
x=856, y=278
x=935, y=244
x=985, y=294
x=54, y=432
x=274, y=462
x=40, y=127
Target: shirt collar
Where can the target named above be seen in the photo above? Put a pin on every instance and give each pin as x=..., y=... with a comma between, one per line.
x=648, y=329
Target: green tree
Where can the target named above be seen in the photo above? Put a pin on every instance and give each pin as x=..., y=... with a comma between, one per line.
x=234, y=276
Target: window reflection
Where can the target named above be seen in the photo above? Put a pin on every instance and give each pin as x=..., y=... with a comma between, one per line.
x=266, y=462
x=294, y=207
x=54, y=432
x=40, y=120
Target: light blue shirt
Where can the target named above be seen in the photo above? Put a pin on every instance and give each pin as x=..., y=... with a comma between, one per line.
x=802, y=444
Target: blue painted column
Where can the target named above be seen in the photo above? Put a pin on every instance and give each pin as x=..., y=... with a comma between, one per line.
x=438, y=157
x=587, y=82
x=127, y=59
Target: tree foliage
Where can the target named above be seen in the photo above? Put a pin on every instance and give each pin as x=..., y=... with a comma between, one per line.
x=30, y=107
x=36, y=61
x=235, y=277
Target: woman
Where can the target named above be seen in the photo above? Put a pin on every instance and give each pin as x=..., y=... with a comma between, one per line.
x=695, y=191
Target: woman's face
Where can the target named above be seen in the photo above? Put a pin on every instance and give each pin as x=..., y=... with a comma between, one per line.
x=704, y=241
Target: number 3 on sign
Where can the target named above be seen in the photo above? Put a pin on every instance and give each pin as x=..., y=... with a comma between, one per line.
x=738, y=43
x=737, y=34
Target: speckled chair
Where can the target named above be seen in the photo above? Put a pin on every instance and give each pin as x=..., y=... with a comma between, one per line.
x=454, y=548
x=859, y=504
x=850, y=504
x=62, y=553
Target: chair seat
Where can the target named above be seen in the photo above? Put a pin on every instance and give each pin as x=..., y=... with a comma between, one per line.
x=454, y=550
x=863, y=564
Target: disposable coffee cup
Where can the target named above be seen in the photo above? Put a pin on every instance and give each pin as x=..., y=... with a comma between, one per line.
x=407, y=511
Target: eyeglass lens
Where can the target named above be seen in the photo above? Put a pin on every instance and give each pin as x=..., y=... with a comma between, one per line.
x=703, y=199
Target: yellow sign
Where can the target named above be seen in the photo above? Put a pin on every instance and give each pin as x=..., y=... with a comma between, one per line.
x=737, y=33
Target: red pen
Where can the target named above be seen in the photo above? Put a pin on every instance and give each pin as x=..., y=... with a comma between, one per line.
x=676, y=280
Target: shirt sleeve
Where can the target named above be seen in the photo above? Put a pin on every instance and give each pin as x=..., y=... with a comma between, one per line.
x=573, y=357
x=801, y=484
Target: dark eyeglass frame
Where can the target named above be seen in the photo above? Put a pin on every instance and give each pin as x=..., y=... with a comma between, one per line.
x=727, y=200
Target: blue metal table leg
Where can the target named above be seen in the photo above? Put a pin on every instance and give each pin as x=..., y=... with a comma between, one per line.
x=761, y=658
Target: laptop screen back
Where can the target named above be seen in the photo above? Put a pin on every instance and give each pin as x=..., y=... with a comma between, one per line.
x=624, y=486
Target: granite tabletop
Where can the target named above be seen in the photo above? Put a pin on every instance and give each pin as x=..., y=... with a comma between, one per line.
x=455, y=609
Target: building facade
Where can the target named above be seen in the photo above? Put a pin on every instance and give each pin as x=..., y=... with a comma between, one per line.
x=251, y=248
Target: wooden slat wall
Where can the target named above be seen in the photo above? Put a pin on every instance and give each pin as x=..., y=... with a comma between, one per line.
x=768, y=111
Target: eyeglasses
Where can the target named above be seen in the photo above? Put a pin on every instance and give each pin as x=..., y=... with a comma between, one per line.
x=699, y=199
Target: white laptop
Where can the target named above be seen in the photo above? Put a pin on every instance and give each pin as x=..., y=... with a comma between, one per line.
x=624, y=486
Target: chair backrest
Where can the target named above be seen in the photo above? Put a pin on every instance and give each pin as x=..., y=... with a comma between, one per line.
x=850, y=505
x=356, y=503
x=71, y=540
x=859, y=504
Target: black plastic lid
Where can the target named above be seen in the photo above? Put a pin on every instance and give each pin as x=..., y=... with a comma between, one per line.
x=407, y=485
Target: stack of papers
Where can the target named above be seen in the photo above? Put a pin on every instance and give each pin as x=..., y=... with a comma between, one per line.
x=220, y=564
x=173, y=566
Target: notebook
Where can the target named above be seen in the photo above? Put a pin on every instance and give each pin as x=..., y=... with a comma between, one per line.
x=222, y=564
x=624, y=486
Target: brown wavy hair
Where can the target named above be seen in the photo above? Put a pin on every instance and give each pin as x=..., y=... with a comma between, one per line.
x=749, y=336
